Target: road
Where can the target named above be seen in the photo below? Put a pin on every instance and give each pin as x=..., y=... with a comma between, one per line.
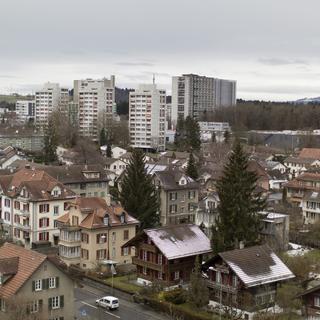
x=86, y=309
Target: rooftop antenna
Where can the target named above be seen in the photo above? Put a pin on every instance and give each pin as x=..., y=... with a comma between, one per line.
x=154, y=79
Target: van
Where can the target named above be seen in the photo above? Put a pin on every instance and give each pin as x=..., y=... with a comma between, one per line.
x=108, y=302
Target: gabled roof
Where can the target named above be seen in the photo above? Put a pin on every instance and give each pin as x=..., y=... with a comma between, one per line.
x=28, y=262
x=256, y=265
x=38, y=183
x=313, y=153
x=176, y=241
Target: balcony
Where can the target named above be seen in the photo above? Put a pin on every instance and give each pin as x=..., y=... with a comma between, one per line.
x=24, y=227
x=148, y=264
x=23, y=213
x=148, y=247
x=70, y=242
x=222, y=287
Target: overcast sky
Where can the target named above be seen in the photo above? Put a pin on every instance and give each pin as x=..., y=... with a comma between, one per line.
x=271, y=47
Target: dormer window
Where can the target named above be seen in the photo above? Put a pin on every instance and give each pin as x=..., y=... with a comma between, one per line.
x=182, y=181
x=106, y=220
x=56, y=192
x=122, y=218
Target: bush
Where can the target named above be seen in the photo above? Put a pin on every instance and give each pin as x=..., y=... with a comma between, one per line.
x=177, y=296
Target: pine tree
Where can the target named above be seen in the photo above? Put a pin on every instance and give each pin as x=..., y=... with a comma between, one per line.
x=213, y=137
x=192, y=133
x=226, y=136
x=108, y=151
x=138, y=194
x=192, y=171
x=103, y=137
x=239, y=204
x=198, y=292
x=50, y=143
x=179, y=137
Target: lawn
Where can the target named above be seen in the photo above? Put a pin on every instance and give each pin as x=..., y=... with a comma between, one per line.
x=123, y=283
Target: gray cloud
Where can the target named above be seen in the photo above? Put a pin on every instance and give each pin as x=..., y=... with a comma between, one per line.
x=280, y=61
x=135, y=64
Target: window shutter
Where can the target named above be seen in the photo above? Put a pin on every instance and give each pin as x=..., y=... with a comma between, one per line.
x=57, y=282
x=61, y=318
x=44, y=284
x=97, y=254
x=50, y=303
x=33, y=285
x=61, y=301
x=98, y=238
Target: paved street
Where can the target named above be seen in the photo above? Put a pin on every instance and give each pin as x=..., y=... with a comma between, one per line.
x=86, y=308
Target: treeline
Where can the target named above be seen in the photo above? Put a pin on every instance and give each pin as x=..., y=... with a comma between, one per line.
x=258, y=115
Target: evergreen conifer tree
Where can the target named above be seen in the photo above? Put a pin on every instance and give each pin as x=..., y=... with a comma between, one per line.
x=138, y=194
x=192, y=130
x=198, y=292
x=192, y=171
x=239, y=203
x=108, y=151
x=213, y=137
x=50, y=143
x=179, y=136
x=103, y=137
x=226, y=136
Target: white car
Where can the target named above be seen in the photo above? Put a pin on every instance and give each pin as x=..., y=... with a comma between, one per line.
x=108, y=302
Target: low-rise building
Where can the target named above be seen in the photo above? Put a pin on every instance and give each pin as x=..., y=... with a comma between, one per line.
x=311, y=303
x=8, y=155
x=92, y=232
x=310, y=205
x=32, y=286
x=31, y=201
x=245, y=280
x=178, y=196
x=298, y=165
x=167, y=254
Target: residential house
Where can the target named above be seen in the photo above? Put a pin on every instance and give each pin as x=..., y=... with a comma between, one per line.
x=310, y=205
x=93, y=231
x=116, y=166
x=245, y=279
x=298, y=187
x=276, y=179
x=298, y=165
x=262, y=176
x=8, y=155
x=167, y=254
x=311, y=303
x=273, y=165
x=275, y=230
x=117, y=152
x=311, y=153
x=31, y=201
x=207, y=213
x=178, y=196
x=32, y=286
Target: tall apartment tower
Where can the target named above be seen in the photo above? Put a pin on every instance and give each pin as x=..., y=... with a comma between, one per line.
x=25, y=110
x=147, y=118
x=96, y=104
x=49, y=98
x=192, y=95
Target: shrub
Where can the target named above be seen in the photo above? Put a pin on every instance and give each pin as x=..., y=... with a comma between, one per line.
x=177, y=296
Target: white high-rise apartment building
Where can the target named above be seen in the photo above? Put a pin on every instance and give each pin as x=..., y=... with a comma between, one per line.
x=25, y=110
x=96, y=103
x=147, y=117
x=192, y=95
x=49, y=98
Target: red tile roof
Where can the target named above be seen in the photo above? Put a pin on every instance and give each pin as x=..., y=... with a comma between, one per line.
x=313, y=153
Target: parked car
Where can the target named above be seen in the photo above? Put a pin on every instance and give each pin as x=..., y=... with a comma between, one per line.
x=108, y=302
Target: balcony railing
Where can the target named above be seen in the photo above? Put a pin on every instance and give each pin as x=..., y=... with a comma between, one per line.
x=25, y=227
x=148, y=264
x=222, y=287
x=148, y=247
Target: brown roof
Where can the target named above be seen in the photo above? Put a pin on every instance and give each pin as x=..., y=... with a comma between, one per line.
x=313, y=153
x=9, y=266
x=37, y=182
x=29, y=262
x=96, y=209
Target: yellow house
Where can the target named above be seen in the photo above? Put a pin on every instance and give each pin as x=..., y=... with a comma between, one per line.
x=93, y=231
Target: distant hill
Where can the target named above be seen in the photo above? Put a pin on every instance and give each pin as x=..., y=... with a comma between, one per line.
x=12, y=98
x=308, y=100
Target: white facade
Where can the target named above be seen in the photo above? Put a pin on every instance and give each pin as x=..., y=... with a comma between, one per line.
x=25, y=110
x=192, y=95
x=96, y=99
x=49, y=98
x=147, y=117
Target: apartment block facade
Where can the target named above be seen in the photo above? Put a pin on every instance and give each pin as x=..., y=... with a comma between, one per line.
x=193, y=95
x=95, y=101
x=48, y=99
x=147, y=107
x=25, y=110
x=93, y=231
x=31, y=201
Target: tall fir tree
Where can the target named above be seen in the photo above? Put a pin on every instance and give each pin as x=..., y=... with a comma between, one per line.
x=239, y=203
x=213, y=137
x=192, y=171
x=198, y=292
x=50, y=143
x=138, y=194
x=179, y=136
x=103, y=137
x=192, y=133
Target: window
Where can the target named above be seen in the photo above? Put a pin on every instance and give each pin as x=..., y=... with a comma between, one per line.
x=173, y=208
x=7, y=216
x=56, y=210
x=122, y=218
x=7, y=202
x=234, y=281
x=144, y=255
x=2, y=305
x=173, y=196
x=85, y=237
x=65, y=206
x=56, y=302
x=218, y=277
x=190, y=207
x=192, y=194
x=176, y=275
x=17, y=205
x=44, y=208
x=125, y=251
x=113, y=236
x=125, y=234
x=52, y=282
x=34, y=306
x=84, y=254
x=101, y=254
x=106, y=220
x=44, y=236
x=101, y=238
x=43, y=222
x=75, y=221
x=317, y=301
x=144, y=270
x=38, y=285
x=160, y=275
x=160, y=258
